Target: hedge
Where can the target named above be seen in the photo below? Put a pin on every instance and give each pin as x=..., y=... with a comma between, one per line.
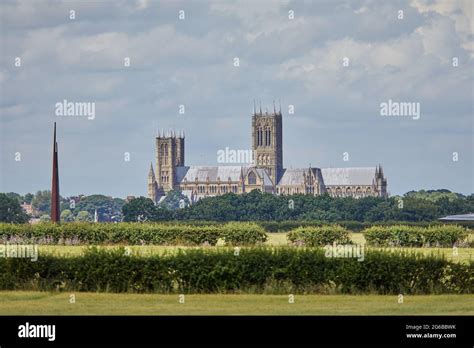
x=110, y=233
x=132, y=233
x=319, y=236
x=299, y=270
x=354, y=226
x=410, y=236
x=233, y=233
x=243, y=233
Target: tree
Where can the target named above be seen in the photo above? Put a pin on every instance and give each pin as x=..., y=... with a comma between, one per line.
x=11, y=210
x=83, y=216
x=175, y=200
x=108, y=208
x=67, y=215
x=15, y=195
x=42, y=202
x=255, y=206
x=139, y=209
x=64, y=203
x=28, y=198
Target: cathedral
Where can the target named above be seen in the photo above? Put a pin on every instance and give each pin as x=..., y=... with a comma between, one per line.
x=266, y=174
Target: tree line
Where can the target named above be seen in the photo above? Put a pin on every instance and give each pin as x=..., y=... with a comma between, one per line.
x=77, y=208
x=257, y=206
x=254, y=206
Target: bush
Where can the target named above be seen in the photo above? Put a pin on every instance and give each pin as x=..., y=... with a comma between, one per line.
x=243, y=233
x=301, y=270
x=445, y=236
x=410, y=236
x=319, y=236
x=109, y=233
x=399, y=235
x=354, y=226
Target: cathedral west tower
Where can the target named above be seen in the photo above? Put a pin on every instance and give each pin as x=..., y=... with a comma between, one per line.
x=169, y=155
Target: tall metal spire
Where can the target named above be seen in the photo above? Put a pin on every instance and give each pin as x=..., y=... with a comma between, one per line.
x=55, y=217
x=260, y=107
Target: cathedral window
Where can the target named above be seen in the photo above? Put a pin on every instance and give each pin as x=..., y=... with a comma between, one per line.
x=252, y=178
x=166, y=154
x=259, y=137
x=267, y=137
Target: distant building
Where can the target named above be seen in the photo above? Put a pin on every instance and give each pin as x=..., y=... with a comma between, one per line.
x=28, y=208
x=463, y=217
x=266, y=174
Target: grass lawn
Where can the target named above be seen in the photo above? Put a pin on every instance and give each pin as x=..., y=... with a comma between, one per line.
x=45, y=303
x=274, y=239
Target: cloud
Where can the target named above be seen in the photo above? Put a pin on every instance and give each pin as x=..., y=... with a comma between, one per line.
x=460, y=12
x=298, y=61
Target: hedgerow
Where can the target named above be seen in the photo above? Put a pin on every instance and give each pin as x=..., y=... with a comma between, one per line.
x=319, y=236
x=243, y=233
x=411, y=236
x=301, y=270
x=232, y=233
x=110, y=233
x=354, y=226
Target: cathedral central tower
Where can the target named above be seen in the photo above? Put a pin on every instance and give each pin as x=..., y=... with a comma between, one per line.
x=267, y=142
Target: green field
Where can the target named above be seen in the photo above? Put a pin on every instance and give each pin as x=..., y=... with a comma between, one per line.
x=274, y=239
x=44, y=303
x=57, y=303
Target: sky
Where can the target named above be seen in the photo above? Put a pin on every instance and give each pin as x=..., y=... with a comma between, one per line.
x=334, y=62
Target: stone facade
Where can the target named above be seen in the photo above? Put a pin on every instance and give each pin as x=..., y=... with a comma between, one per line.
x=267, y=143
x=267, y=174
